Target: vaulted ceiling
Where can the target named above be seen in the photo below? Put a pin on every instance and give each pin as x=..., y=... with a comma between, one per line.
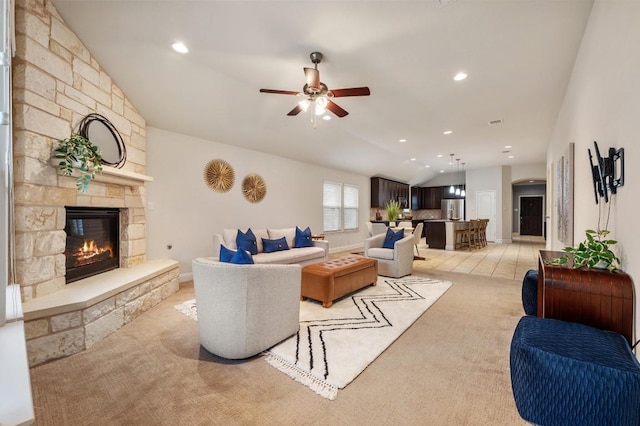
x=518, y=55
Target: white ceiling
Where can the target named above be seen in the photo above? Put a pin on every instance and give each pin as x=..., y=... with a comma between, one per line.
x=518, y=54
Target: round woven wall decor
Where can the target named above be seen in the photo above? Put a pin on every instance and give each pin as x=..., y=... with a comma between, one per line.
x=254, y=188
x=218, y=175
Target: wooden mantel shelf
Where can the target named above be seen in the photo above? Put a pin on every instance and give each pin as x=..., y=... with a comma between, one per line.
x=116, y=176
x=122, y=177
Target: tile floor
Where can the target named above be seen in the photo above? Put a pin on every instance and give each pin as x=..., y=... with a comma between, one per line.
x=495, y=260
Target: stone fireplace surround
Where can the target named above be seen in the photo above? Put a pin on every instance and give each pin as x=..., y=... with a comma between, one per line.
x=55, y=83
x=75, y=317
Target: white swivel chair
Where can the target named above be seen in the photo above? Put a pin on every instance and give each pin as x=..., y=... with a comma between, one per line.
x=245, y=309
x=396, y=262
x=417, y=236
x=370, y=228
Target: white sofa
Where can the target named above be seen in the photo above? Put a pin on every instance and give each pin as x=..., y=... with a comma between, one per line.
x=302, y=256
x=396, y=262
x=245, y=309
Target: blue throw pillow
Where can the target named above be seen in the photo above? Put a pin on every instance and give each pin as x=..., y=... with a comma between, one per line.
x=247, y=241
x=269, y=246
x=391, y=238
x=226, y=254
x=242, y=257
x=302, y=238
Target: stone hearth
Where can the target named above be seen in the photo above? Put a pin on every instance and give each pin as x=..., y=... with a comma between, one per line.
x=88, y=310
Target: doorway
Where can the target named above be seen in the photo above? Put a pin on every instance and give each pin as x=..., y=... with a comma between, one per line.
x=486, y=209
x=531, y=215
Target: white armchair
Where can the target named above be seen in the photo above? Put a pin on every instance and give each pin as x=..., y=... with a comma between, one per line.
x=396, y=262
x=245, y=309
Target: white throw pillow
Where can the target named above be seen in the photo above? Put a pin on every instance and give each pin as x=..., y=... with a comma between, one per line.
x=229, y=236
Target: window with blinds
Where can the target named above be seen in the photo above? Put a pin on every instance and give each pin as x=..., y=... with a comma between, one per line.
x=350, y=207
x=340, y=206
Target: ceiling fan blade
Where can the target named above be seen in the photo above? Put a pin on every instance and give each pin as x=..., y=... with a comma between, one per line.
x=353, y=91
x=295, y=111
x=313, y=78
x=336, y=109
x=279, y=92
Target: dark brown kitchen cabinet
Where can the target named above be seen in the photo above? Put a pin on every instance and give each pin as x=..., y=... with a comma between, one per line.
x=417, y=194
x=384, y=190
x=426, y=197
x=433, y=198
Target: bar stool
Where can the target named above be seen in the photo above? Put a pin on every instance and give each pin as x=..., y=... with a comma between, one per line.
x=483, y=232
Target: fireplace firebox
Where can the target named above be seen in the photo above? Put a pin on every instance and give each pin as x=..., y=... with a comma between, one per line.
x=92, y=241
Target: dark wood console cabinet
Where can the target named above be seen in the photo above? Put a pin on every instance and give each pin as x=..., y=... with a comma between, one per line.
x=597, y=298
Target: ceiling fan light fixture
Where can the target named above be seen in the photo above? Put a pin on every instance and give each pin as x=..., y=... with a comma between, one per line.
x=304, y=104
x=321, y=105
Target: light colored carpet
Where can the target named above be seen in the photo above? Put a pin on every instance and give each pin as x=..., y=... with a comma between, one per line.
x=333, y=346
x=451, y=367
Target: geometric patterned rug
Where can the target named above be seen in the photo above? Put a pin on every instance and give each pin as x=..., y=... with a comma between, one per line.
x=334, y=345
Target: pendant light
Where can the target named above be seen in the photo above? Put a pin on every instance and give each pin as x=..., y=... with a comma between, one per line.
x=452, y=189
x=464, y=178
x=457, y=175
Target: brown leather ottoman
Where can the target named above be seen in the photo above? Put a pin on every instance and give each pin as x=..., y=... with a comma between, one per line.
x=328, y=281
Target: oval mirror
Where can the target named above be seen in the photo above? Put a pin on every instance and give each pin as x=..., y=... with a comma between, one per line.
x=103, y=134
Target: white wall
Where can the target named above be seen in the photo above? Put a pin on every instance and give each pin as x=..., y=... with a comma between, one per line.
x=522, y=172
x=184, y=213
x=602, y=104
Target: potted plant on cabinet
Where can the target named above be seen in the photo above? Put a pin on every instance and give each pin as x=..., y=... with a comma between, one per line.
x=594, y=252
x=393, y=210
x=77, y=152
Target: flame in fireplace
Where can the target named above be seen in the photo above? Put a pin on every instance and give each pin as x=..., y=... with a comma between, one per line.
x=90, y=252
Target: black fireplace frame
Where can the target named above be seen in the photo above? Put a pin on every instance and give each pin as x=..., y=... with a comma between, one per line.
x=113, y=214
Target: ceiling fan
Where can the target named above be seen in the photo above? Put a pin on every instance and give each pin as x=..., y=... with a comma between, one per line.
x=317, y=95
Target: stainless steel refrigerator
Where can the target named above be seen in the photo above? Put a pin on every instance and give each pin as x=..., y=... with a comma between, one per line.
x=453, y=209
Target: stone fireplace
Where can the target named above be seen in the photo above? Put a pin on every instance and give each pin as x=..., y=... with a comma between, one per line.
x=56, y=83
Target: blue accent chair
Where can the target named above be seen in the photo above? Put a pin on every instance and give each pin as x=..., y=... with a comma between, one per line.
x=565, y=373
x=530, y=292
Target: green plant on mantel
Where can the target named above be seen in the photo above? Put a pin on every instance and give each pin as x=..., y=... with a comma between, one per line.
x=393, y=210
x=77, y=152
x=593, y=252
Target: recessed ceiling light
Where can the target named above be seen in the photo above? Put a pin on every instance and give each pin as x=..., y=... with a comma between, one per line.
x=447, y=132
x=511, y=156
x=180, y=47
x=439, y=155
x=460, y=76
x=326, y=117
x=427, y=166
x=507, y=147
x=402, y=140
x=412, y=159
x=441, y=171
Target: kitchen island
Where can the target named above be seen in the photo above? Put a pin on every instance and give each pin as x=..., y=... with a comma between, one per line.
x=441, y=233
